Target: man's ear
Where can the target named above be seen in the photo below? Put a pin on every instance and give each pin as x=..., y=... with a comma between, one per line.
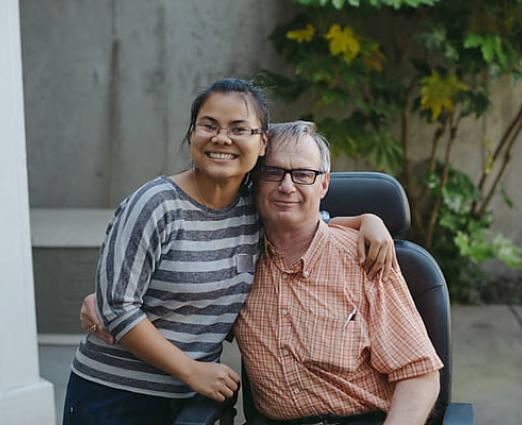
x=325, y=184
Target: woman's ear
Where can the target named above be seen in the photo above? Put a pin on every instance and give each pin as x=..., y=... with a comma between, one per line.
x=264, y=143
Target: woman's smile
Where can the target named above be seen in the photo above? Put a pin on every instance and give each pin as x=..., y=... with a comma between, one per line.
x=221, y=155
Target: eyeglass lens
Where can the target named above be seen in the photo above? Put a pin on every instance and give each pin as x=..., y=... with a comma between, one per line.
x=299, y=176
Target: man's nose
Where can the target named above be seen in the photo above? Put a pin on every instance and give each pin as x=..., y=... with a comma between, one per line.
x=287, y=185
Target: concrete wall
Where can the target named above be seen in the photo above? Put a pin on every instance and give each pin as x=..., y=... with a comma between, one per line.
x=24, y=397
x=109, y=84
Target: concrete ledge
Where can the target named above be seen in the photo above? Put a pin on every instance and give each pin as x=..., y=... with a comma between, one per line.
x=30, y=404
x=59, y=339
x=69, y=227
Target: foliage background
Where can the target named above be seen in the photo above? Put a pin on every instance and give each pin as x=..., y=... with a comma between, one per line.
x=369, y=72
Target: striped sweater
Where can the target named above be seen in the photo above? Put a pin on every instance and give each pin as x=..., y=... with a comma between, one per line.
x=185, y=267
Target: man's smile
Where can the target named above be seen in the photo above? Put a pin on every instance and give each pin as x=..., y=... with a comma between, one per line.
x=285, y=203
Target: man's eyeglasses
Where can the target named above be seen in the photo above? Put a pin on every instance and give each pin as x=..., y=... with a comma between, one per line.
x=299, y=175
x=236, y=132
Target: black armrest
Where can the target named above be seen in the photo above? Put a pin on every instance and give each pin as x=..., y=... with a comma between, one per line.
x=203, y=411
x=459, y=414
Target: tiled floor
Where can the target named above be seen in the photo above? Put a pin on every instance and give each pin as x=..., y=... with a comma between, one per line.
x=487, y=363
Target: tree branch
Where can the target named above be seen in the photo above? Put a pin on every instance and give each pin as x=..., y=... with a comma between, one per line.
x=419, y=205
x=503, y=141
x=506, y=159
x=405, y=138
x=438, y=203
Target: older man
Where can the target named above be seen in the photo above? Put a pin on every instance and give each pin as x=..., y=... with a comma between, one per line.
x=319, y=339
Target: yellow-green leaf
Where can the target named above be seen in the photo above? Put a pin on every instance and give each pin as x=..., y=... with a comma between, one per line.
x=438, y=93
x=302, y=35
x=343, y=42
x=372, y=57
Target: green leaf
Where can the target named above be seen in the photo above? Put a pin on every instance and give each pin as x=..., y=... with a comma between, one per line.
x=432, y=181
x=383, y=150
x=338, y=4
x=501, y=56
x=487, y=49
x=475, y=101
x=507, y=252
x=473, y=40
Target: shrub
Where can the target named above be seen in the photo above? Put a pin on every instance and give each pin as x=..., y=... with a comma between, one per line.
x=366, y=67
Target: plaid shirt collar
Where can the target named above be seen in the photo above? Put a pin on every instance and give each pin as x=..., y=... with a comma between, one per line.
x=306, y=263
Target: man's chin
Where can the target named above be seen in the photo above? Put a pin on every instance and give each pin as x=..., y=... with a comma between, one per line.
x=286, y=219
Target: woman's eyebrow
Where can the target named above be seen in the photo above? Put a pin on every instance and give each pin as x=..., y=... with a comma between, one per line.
x=209, y=118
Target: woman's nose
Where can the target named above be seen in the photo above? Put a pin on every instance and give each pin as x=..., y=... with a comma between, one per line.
x=222, y=137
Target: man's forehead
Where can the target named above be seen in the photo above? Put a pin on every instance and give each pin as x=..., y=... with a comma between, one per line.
x=303, y=146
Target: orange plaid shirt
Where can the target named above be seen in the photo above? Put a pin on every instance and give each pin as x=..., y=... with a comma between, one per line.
x=320, y=337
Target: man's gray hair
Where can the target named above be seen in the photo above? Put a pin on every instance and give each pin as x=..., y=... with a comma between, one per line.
x=292, y=132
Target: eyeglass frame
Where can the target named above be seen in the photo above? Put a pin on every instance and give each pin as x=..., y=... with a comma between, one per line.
x=253, y=131
x=291, y=172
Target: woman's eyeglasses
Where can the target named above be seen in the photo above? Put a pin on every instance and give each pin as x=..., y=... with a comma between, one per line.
x=237, y=132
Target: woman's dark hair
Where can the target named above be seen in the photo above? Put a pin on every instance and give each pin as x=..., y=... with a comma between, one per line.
x=231, y=85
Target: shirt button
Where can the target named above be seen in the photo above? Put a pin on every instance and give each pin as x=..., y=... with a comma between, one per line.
x=306, y=274
x=285, y=275
x=296, y=390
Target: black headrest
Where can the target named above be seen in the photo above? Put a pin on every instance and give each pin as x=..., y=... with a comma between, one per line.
x=354, y=193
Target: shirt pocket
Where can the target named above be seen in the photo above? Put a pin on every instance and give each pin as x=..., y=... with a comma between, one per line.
x=332, y=344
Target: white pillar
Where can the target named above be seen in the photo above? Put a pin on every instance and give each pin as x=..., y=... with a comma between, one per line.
x=25, y=398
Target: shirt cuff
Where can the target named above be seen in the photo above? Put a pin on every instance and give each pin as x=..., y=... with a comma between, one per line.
x=417, y=368
x=122, y=325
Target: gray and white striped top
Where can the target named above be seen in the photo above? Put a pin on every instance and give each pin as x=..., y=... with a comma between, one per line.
x=185, y=267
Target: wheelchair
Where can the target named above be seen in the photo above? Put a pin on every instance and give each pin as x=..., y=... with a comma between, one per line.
x=354, y=193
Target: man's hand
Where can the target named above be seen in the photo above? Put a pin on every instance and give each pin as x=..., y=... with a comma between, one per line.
x=213, y=380
x=90, y=321
x=375, y=247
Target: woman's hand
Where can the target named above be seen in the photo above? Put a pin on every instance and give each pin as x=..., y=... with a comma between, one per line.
x=213, y=380
x=375, y=247
x=90, y=322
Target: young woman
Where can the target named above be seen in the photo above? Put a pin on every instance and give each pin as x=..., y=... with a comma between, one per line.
x=175, y=269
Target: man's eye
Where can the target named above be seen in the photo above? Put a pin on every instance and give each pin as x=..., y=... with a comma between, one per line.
x=239, y=131
x=302, y=174
x=272, y=172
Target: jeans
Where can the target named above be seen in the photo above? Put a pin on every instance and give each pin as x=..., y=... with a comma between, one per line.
x=89, y=403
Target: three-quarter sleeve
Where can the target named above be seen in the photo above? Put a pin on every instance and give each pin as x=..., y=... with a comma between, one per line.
x=128, y=257
x=400, y=346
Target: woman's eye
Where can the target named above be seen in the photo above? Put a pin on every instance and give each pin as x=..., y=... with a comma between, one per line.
x=239, y=131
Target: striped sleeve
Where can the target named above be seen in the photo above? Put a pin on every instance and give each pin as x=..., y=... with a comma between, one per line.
x=129, y=256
